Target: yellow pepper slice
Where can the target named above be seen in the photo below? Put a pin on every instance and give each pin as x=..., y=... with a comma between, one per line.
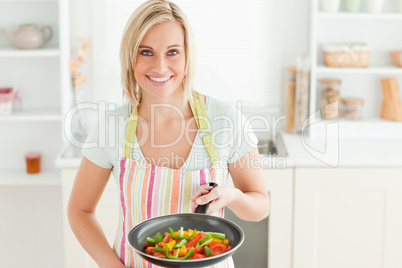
x=170, y=245
x=182, y=251
x=216, y=240
x=226, y=242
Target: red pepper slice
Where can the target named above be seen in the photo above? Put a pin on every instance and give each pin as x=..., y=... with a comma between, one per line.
x=218, y=248
x=194, y=241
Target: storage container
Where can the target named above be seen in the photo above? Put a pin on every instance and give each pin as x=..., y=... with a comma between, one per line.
x=352, y=108
x=33, y=162
x=330, y=98
x=346, y=55
x=7, y=97
x=289, y=98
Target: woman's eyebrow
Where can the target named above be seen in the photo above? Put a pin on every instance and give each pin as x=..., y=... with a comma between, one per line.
x=176, y=45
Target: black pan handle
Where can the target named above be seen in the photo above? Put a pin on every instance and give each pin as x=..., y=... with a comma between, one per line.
x=203, y=208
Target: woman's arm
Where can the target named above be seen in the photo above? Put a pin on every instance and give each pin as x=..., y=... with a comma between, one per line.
x=249, y=199
x=89, y=185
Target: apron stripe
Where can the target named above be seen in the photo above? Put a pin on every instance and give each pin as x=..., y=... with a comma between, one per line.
x=202, y=177
x=168, y=187
x=122, y=195
x=144, y=193
x=150, y=188
x=156, y=193
x=175, y=191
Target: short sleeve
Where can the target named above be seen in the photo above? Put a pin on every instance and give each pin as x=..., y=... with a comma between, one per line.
x=94, y=149
x=243, y=137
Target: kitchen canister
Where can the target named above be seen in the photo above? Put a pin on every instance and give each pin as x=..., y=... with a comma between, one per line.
x=352, y=108
x=33, y=162
x=352, y=5
x=330, y=98
x=374, y=6
x=331, y=6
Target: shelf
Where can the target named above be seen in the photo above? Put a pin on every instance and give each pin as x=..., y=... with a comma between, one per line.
x=364, y=128
x=360, y=16
x=10, y=52
x=32, y=115
x=21, y=178
x=386, y=70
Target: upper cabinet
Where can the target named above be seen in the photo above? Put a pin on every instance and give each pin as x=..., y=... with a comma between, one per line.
x=376, y=30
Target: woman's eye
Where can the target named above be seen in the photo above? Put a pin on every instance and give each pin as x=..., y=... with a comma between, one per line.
x=146, y=53
x=173, y=52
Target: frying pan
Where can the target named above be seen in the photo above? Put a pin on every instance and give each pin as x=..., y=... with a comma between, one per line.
x=198, y=220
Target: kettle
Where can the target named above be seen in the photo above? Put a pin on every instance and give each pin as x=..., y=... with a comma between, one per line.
x=29, y=36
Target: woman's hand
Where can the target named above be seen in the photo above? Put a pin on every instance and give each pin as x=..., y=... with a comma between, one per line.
x=219, y=197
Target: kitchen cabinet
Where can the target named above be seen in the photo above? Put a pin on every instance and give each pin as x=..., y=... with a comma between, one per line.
x=347, y=217
x=31, y=204
x=378, y=31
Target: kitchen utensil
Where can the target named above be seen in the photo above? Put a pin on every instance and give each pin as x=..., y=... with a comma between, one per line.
x=397, y=57
x=352, y=5
x=207, y=223
x=29, y=36
x=391, y=105
x=331, y=6
x=374, y=6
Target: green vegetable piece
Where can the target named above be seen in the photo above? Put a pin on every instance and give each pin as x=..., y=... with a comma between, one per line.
x=190, y=236
x=203, y=241
x=158, y=248
x=207, y=251
x=218, y=235
x=180, y=236
x=157, y=239
x=180, y=244
x=188, y=255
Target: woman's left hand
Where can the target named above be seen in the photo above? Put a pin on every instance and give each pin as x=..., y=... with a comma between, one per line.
x=218, y=197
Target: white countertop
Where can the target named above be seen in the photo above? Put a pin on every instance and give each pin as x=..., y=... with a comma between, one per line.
x=302, y=152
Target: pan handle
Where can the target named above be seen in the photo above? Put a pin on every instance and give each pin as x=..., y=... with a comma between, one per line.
x=203, y=209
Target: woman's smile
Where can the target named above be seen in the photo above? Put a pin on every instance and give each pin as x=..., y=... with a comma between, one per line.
x=159, y=81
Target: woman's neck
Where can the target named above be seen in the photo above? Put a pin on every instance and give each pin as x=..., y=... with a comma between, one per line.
x=170, y=108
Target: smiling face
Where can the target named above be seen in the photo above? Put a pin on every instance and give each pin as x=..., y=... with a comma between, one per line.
x=161, y=61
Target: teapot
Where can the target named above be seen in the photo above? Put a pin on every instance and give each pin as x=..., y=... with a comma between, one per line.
x=29, y=36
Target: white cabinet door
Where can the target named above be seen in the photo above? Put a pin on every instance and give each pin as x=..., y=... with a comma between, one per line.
x=280, y=187
x=348, y=218
x=107, y=214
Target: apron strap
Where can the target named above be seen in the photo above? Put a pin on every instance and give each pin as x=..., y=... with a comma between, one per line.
x=130, y=133
x=201, y=117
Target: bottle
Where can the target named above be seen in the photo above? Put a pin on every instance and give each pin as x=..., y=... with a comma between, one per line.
x=289, y=98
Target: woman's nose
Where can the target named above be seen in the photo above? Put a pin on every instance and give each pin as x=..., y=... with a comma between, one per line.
x=159, y=65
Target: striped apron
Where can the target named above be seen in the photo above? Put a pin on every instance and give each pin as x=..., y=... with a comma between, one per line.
x=148, y=191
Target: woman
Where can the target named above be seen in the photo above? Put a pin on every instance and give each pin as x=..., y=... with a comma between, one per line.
x=170, y=144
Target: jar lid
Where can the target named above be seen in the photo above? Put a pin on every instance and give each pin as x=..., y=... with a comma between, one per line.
x=352, y=101
x=32, y=155
x=290, y=69
x=330, y=82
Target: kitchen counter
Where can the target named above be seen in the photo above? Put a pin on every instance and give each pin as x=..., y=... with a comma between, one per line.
x=303, y=152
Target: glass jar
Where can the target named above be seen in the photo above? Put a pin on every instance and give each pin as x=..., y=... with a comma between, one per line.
x=289, y=98
x=330, y=98
x=352, y=108
x=33, y=162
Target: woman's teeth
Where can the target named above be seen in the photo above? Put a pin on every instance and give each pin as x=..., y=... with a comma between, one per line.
x=160, y=79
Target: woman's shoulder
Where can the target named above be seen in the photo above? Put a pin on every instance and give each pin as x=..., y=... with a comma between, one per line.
x=217, y=107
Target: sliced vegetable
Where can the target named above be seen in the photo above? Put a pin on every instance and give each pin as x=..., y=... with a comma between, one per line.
x=207, y=251
x=188, y=255
x=218, y=249
x=157, y=239
x=181, y=243
x=158, y=248
x=205, y=240
x=194, y=241
x=217, y=235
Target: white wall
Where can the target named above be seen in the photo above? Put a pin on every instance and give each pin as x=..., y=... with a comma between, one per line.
x=293, y=39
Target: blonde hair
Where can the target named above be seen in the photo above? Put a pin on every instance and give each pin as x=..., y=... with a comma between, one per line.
x=148, y=14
